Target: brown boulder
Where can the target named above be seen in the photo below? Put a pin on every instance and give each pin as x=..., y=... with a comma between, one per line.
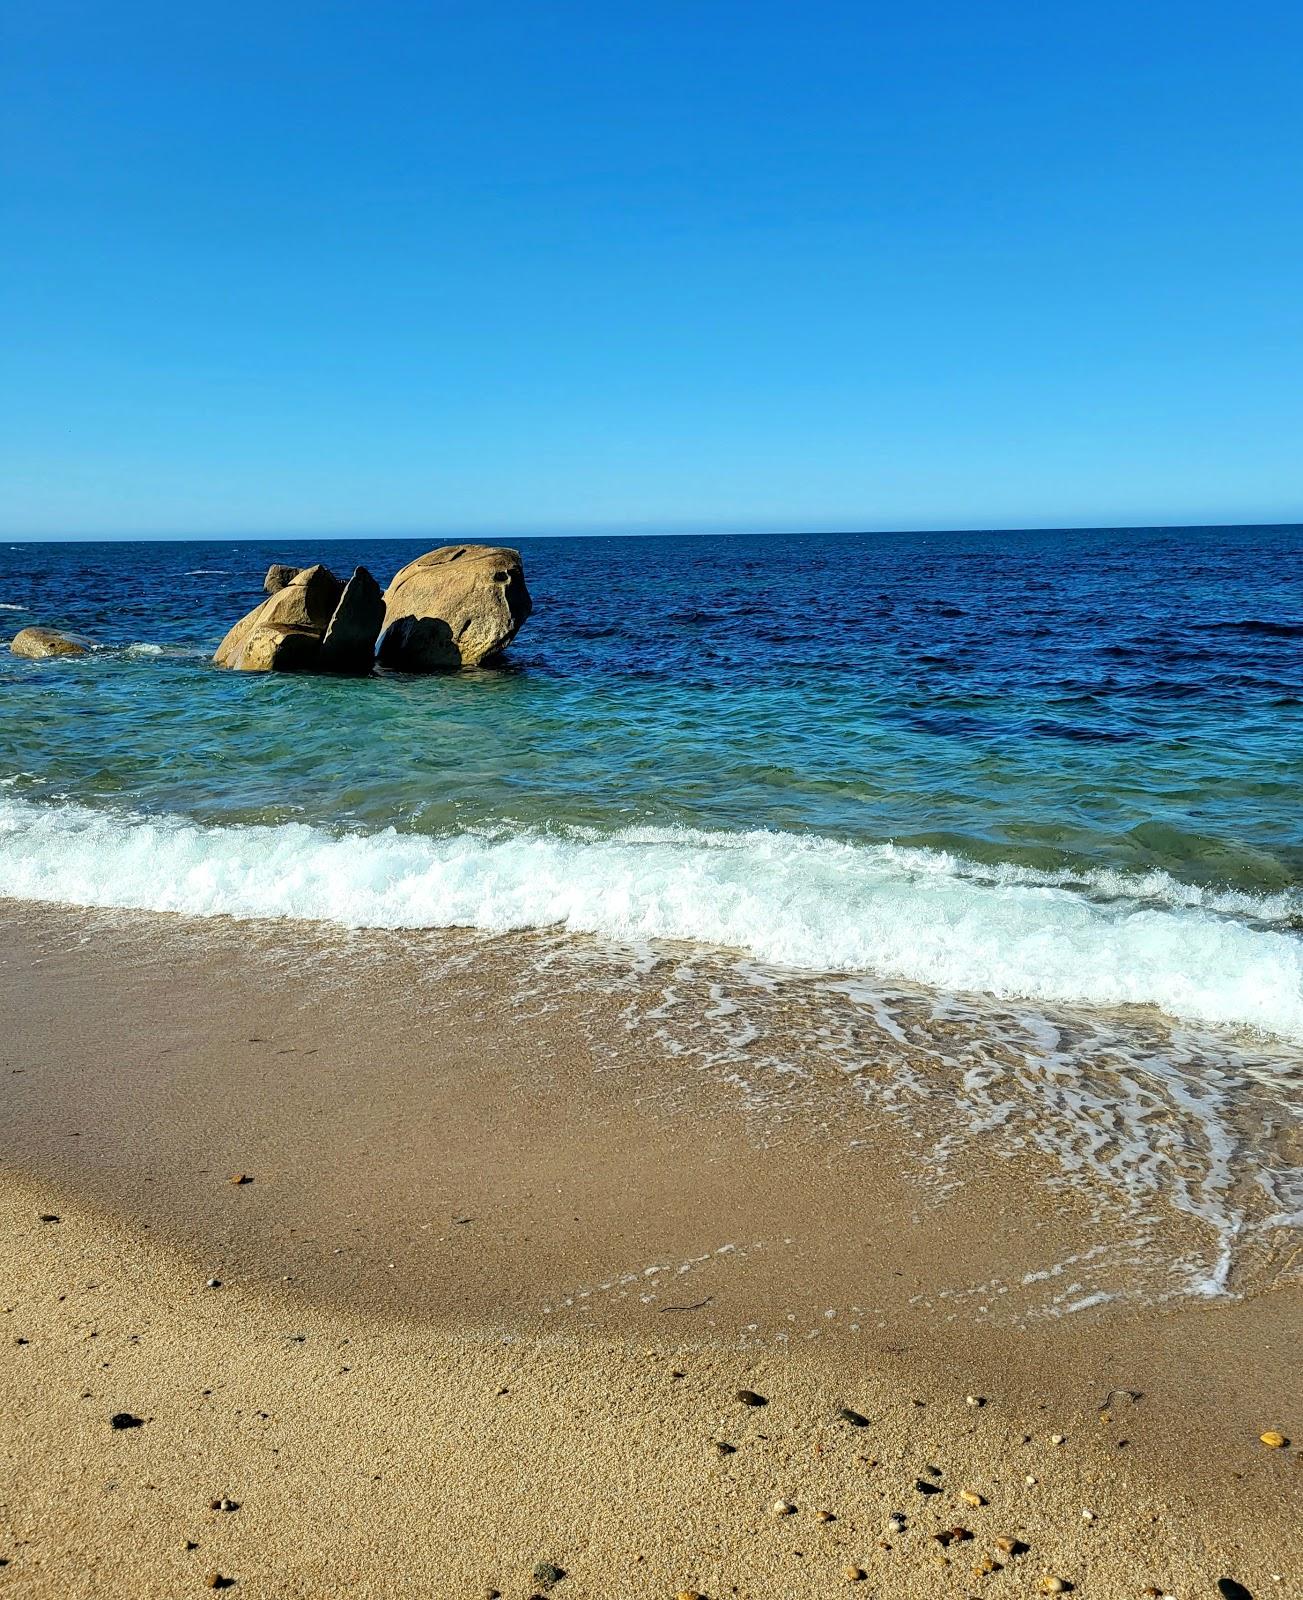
x=454, y=607
x=40, y=644
x=307, y=602
x=278, y=576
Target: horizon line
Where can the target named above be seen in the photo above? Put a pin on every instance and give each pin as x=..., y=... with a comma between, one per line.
x=299, y=536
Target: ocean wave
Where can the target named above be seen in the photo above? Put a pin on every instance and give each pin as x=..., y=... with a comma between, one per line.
x=791, y=901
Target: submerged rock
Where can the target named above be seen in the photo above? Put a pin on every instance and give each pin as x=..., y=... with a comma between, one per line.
x=41, y=644
x=454, y=607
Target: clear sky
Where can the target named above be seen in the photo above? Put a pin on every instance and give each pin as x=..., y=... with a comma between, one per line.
x=487, y=268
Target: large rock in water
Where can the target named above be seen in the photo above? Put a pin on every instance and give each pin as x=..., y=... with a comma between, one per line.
x=39, y=644
x=289, y=631
x=454, y=607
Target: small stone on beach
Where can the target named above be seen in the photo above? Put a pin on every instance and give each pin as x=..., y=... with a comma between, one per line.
x=1049, y=1584
x=547, y=1573
x=854, y=1574
x=213, y=1283
x=856, y=1420
x=239, y=1177
x=1007, y=1546
x=1273, y=1439
x=970, y=1497
x=49, y=1216
x=782, y=1508
x=824, y=1516
x=749, y=1397
x=124, y=1419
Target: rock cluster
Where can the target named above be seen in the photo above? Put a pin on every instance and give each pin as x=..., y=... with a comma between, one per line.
x=312, y=623
x=450, y=608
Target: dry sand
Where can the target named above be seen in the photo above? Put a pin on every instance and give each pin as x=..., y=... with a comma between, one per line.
x=489, y=1298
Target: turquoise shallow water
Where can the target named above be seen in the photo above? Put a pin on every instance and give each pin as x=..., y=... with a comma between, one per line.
x=1063, y=764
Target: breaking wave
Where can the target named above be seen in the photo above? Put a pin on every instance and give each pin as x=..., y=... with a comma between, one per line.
x=802, y=902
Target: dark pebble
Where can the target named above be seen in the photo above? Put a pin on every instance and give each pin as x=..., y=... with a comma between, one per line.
x=547, y=1574
x=124, y=1419
x=853, y=1417
x=749, y=1397
x=924, y=1487
x=1232, y=1590
x=49, y=1216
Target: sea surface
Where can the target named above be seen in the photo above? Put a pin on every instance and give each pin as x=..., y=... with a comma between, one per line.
x=1040, y=790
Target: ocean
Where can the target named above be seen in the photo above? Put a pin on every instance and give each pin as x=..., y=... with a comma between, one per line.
x=1022, y=798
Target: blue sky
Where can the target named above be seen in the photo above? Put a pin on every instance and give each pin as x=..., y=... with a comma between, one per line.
x=488, y=268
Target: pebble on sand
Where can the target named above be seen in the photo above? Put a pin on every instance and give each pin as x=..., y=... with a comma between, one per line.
x=124, y=1419
x=749, y=1397
x=1049, y=1584
x=239, y=1177
x=970, y=1497
x=854, y=1574
x=824, y=1516
x=689, y=1594
x=1008, y=1546
x=1273, y=1439
x=782, y=1508
x=547, y=1573
x=855, y=1418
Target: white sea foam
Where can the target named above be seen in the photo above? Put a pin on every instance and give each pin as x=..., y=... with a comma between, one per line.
x=791, y=901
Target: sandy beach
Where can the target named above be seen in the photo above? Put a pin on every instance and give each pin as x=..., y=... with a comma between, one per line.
x=481, y=1313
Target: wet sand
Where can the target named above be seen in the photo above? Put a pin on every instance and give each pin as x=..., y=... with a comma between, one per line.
x=497, y=1278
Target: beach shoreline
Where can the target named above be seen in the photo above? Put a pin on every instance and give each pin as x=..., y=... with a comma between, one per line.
x=481, y=1198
